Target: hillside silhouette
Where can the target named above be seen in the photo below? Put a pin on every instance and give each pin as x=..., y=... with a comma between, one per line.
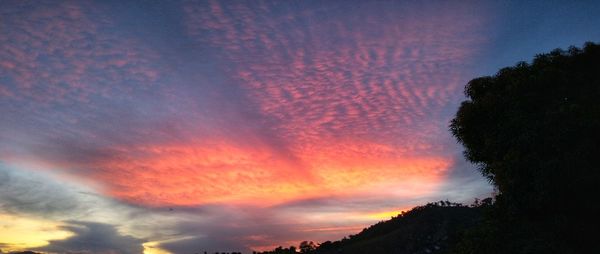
x=432, y=228
x=534, y=131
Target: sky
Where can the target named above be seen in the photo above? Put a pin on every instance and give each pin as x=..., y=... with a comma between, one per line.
x=188, y=126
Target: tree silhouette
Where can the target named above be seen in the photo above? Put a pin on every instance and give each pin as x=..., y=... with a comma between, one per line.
x=534, y=131
x=306, y=247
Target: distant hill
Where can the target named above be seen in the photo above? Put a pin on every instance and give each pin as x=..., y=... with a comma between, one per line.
x=433, y=228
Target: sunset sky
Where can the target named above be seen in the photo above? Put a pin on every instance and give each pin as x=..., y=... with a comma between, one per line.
x=183, y=126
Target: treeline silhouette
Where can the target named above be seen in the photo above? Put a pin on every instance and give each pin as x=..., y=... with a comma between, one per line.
x=220, y=252
x=423, y=229
x=534, y=131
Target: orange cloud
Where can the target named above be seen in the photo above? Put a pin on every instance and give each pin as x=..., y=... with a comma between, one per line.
x=337, y=106
x=191, y=174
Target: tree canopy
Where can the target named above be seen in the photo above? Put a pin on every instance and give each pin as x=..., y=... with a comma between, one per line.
x=534, y=131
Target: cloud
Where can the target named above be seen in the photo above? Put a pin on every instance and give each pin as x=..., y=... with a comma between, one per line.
x=257, y=123
x=229, y=228
x=201, y=244
x=91, y=237
x=29, y=193
x=58, y=53
x=320, y=74
x=311, y=101
x=41, y=196
x=184, y=229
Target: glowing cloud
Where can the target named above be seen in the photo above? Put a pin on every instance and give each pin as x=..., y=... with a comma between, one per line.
x=22, y=233
x=317, y=103
x=211, y=124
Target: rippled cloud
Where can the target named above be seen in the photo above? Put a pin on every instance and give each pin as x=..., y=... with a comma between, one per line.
x=280, y=118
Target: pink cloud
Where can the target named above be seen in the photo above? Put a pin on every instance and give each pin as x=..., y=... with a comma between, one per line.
x=344, y=106
x=371, y=77
x=268, y=107
x=57, y=52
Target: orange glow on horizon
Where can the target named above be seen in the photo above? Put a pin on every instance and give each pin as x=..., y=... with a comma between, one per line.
x=227, y=173
x=154, y=248
x=20, y=233
x=385, y=215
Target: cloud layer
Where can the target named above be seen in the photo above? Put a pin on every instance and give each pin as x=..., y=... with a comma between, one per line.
x=218, y=126
x=311, y=101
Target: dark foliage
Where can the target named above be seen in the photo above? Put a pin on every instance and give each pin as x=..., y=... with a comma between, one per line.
x=534, y=131
x=279, y=250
